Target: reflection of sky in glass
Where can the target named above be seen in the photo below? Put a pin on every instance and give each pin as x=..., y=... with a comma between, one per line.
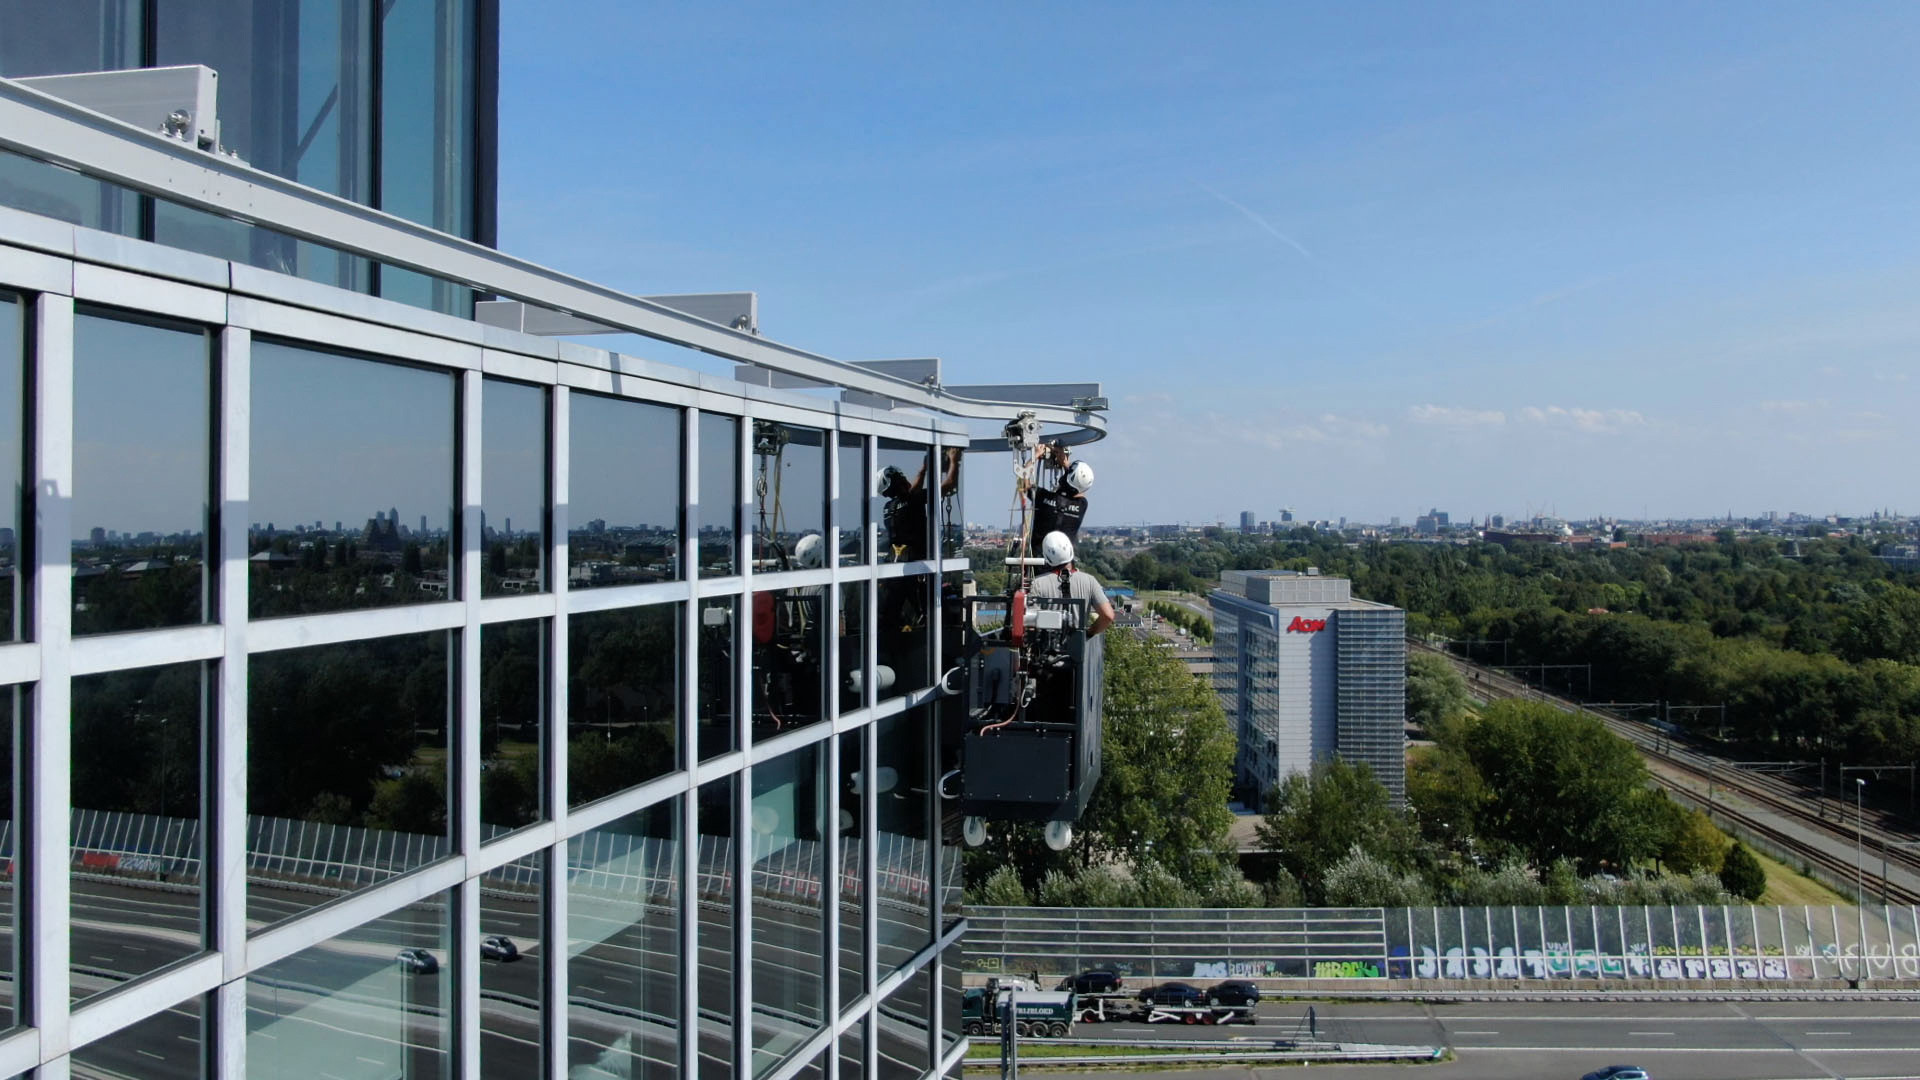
x=337, y=438
x=719, y=470
x=625, y=463
x=802, y=483
x=140, y=427
x=513, y=455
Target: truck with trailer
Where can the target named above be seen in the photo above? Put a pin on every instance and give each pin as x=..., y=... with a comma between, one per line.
x=1036, y=1013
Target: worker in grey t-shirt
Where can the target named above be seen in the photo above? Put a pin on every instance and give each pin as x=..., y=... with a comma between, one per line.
x=1062, y=580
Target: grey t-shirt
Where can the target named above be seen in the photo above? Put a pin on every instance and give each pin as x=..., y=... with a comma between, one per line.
x=1080, y=586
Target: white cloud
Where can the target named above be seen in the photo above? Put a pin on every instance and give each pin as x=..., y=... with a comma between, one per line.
x=1791, y=406
x=1453, y=416
x=1353, y=426
x=1597, y=421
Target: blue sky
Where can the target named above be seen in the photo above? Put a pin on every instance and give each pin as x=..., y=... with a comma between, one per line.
x=1357, y=260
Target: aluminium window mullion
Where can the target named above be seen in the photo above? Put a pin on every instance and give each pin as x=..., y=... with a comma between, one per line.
x=464, y=751
x=554, y=749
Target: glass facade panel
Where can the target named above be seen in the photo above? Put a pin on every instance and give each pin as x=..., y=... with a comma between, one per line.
x=789, y=643
x=902, y=850
x=953, y=514
x=428, y=155
x=17, y=698
x=904, y=1021
x=513, y=488
x=624, y=502
x=718, y=675
x=623, y=699
x=136, y=879
x=347, y=751
x=168, y=1045
x=514, y=728
x=789, y=497
x=352, y=485
x=623, y=930
x=903, y=501
x=141, y=474
x=719, y=524
x=789, y=940
x=713, y=966
x=952, y=963
x=853, y=848
x=853, y=646
x=850, y=501
x=372, y=1002
x=13, y=456
x=904, y=640
x=853, y=1051
x=512, y=969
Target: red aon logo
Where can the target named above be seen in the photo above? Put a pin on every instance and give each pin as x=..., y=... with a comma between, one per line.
x=1305, y=626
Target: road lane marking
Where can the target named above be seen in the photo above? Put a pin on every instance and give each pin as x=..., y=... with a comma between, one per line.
x=1476, y=1033
x=1829, y=1032
x=151, y=1054
x=1669, y=1034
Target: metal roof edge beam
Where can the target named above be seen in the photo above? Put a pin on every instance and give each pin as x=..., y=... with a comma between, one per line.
x=925, y=371
x=739, y=310
x=1080, y=396
x=778, y=380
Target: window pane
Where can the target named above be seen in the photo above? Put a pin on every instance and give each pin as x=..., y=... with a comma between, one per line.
x=623, y=930
x=853, y=906
x=59, y=39
x=789, y=638
x=514, y=729
x=141, y=477
x=373, y=1002
x=13, y=369
x=513, y=488
x=136, y=823
x=903, y=501
x=853, y=1051
x=900, y=794
x=346, y=768
x=623, y=697
x=624, y=492
x=719, y=494
x=953, y=515
x=952, y=964
x=718, y=678
x=16, y=698
x=905, y=645
x=715, y=903
x=427, y=70
x=164, y=1046
x=789, y=498
x=853, y=645
x=788, y=938
x=903, y=1020
x=352, y=494
x=512, y=970
x=850, y=502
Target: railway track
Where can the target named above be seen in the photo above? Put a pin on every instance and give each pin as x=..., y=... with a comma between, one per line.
x=1835, y=855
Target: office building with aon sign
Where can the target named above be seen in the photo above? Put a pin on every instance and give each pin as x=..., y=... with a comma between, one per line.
x=1307, y=672
x=395, y=687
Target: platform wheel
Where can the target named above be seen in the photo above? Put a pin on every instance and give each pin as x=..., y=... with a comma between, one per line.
x=1057, y=1029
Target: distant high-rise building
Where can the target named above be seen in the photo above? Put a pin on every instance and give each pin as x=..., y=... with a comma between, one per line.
x=1246, y=521
x=1432, y=522
x=98, y=535
x=1497, y=521
x=509, y=526
x=1286, y=516
x=423, y=524
x=393, y=515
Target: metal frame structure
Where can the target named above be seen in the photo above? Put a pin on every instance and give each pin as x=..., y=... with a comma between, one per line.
x=56, y=266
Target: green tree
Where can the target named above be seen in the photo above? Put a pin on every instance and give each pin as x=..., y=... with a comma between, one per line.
x=1316, y=819
x=1361, y=879
x=1692, y=841
x=1436, y=694
x=1741, y=874
x=1002, y=888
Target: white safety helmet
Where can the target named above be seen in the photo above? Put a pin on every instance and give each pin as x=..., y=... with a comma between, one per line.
x=1080, y=477
x=1056, y=549
x=810, y=552
x=888, y=479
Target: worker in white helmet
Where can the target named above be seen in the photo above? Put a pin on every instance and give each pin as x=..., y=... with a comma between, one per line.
x=1062, y=580
x=1062, y=508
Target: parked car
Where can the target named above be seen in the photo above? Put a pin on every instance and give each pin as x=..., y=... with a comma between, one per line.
x=1617, y=1072
x=498, y=947
x=1173, y=993
x=1233, y=992
x=1092, y=982
x=417, y=961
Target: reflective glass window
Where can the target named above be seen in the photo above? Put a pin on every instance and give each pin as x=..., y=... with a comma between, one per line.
x=513, y=488
x=16, y=699
x=347, y=751
x=714, y=966
x=59, y=39
x=952, y=964
x=428, y=158
x=953, y=514
x=789, y=940
x=718, y=677
x=624, y=500
x=902, y=851
x=622, y=699
x=141, y=473
x=903, y=501
x=719, y=505
x=168, y=1045
x=513, y=725
x=853, y=1051
x=13, y=444
x=903, y=1020
x=903, y=636
x=789, y=497
x=136, y=878
x=352, y=488
x=853, y=847
x=850, y=500
x=623, y=931
x=852, y=627
x=373, y=1002
x=789, y=642
x=512, y=969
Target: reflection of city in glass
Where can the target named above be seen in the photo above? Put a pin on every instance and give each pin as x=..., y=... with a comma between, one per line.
x=513, y=483
x=718, y=497
x=141, y=475
x=624, y=504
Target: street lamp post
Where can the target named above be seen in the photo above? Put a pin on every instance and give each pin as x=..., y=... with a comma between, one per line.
x=1859, y=843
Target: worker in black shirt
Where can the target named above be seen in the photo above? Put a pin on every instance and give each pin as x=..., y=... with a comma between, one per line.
x=1062, y=508
x=905, y=514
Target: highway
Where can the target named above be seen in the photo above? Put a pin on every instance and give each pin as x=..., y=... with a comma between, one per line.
x=1672, y=1041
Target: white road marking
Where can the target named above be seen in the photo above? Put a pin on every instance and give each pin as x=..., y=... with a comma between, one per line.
x=151, y=1054
x=1476, y=1033
x=1635, y=1033
x=1829, y=1032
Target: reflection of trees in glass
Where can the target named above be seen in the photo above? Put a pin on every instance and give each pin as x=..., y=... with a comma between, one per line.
x=621, y=699
x=352, y=734
x=160, y=585
x=136, y=741
x=293, y=574
x=511, y=723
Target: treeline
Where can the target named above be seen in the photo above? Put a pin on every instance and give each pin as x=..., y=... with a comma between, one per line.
x=1198, y=626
